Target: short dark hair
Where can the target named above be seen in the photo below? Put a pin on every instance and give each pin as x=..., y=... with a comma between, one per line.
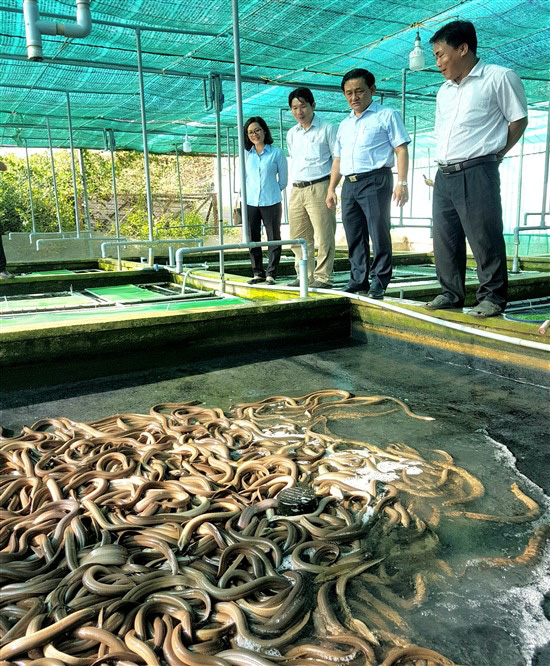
x=261, y=122
x=457, y=33
x=303, y=94
x=364, y=74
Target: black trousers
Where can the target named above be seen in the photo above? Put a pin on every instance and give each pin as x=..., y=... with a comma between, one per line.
x=466, y=205
x=2, y=256
x=366, y=213
x=271, y=217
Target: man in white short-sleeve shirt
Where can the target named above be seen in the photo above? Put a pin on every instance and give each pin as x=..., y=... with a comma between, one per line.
x=481, y=113
x=311, y=150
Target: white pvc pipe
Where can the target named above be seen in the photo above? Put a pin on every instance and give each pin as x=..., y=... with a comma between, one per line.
x=240, y=246
x=149, y=244
x=35, y=28
x=441, y=322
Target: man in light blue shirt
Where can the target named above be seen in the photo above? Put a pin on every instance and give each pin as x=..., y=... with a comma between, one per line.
x=311, y=149
x=367, y=143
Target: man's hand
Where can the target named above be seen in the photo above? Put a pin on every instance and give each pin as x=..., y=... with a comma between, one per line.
x=401, y=195
x=331, y=199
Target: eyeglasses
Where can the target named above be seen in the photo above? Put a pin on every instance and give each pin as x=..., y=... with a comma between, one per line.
x=255, y=132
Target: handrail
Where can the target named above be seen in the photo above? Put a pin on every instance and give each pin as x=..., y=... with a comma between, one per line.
x=519, y=229
x=68, y=240
x=242, y=246
x=149, y=244
x=63, y=234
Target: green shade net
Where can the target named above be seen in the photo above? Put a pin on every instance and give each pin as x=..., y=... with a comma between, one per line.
x=283, y=43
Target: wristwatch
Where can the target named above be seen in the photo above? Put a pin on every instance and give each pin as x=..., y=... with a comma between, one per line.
x=402, y=182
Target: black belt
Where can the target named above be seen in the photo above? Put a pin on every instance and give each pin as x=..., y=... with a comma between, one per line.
x=354, y=177
x=307, y=183
x=448, y=169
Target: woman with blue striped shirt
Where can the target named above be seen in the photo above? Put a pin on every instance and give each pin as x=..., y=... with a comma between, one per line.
x=266, y=177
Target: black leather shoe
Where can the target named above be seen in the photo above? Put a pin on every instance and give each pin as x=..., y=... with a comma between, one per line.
x=256, y=279
x=356, y=289
x=376, y=291
x=319, y=284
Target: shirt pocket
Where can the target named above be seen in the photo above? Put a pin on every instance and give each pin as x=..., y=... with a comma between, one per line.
x=473, y=110
x=312, y=152
x=371, y=136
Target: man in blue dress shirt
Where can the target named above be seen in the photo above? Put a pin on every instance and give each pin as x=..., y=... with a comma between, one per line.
x=367, y=142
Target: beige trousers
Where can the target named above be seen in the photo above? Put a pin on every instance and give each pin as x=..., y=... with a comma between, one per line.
x=311, y=219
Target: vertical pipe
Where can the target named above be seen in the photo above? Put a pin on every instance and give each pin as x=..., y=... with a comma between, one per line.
x=546, y=161
x=145, y=145
x=57, y=211
x=412, y=167
x=234, y=144
x=520, y=182
x=403, y=115
x=73, y=165
x=179, y=186
x=84, y=189
x=429, y=173
x=111, y=142
x=218, y=103
x=403, y=92
x=229, y=178
x=240, y=120
x=283, y=193
x=31, y=201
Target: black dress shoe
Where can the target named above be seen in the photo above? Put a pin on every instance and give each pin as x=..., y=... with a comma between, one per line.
x=356, y=289
x=376, y=291
x=256, y=279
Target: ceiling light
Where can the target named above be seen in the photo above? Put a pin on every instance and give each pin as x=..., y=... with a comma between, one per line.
x=417, y=57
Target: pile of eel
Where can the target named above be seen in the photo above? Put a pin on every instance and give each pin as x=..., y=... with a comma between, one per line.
x=158, y=538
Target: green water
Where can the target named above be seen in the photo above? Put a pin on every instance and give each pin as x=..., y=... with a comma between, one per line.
x=91, y=315
x=123, y=292
x=64, y=301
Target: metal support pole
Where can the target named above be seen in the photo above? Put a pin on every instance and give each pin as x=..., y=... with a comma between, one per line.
x=84, y=189
x=56, y=197
x=145, y=146
x=234, y=151
x=403, y=115
x=546, y=163
x=229, y=177
x=429, y=173
x=73, y=165
x=412, y=166
x=403, y=92
x=520, y=181
x=283, y=193
x=33, y=223
x=218, y=105
x=240, y=120
x=179, y=186
x=111, y=142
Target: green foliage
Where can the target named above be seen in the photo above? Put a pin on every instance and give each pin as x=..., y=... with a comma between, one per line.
x=15, y=210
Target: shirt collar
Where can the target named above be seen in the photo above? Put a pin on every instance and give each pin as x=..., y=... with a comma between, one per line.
x=373, y=107
x=477, y=70
x=314, y=123
x=267, y=149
